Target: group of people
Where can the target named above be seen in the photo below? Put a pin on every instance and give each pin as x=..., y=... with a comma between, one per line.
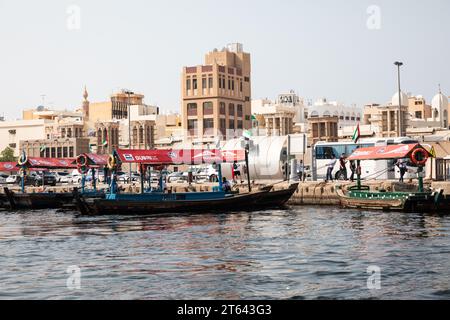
x=342, y=168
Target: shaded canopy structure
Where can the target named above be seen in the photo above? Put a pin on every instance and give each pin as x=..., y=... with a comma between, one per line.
x=49, y=163
x=387, y=152
x=175, y=157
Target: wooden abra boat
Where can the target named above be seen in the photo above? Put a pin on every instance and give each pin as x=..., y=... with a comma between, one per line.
x=191, y=202
x=160, y=201
x=360, y=197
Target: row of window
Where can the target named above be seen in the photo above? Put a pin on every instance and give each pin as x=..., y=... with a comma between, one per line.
x=209, y=124
x=58, y=152
x=208, y=109
x=208, y=83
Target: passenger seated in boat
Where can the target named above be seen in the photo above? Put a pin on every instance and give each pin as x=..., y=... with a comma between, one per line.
x=226, y=185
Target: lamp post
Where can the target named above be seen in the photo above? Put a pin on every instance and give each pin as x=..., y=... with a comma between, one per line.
x=129, y=93
x=399, y=120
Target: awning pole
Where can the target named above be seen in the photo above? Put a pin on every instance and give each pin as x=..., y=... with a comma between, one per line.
x=419, y=173
x=142, y=178
x=359, y=174
x=247, y=148
x=219, y=169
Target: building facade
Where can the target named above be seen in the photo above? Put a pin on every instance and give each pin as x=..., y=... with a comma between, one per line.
x=323, y=129
x=55, y=148
x=216, y=96
x=13, y=132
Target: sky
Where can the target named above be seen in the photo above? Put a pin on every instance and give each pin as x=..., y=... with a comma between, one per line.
x=342, y=50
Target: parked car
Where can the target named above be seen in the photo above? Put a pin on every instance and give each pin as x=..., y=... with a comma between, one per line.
x=77, y=177
x=61, y=177
x=206, y=174
x=13, y=179
x=122, y=177
x=3, y=178
x=46, y=178
x=177, y=177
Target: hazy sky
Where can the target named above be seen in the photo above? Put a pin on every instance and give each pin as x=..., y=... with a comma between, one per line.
x=320, y=48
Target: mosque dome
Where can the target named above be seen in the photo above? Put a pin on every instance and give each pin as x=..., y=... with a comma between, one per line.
x=404, y=99
x=439, y=101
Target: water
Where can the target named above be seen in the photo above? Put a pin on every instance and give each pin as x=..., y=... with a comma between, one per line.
x=300, y=253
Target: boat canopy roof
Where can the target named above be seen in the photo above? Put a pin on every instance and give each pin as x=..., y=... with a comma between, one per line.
x=95, y=160
x=398, y=151
x=50, y=163
x=177, y=157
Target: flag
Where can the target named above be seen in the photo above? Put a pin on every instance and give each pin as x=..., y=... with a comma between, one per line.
x=43, y=147
x=356, y=134
x=105, y=141
x=433, y=152
x=247, y=134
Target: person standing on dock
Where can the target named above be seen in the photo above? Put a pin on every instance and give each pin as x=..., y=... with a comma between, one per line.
x=353, y=170
x=343, y=168
x=401, y=164
x=301, y=171
x=330, y=168
x=236, y=171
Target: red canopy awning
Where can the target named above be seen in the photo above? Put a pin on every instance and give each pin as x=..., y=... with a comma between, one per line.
x=50, y=163
x=398, y=151
x=8, y=166
x=96, y=160
x=189, y=156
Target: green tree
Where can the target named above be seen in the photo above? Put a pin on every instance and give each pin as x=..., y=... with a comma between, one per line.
x=7, y=155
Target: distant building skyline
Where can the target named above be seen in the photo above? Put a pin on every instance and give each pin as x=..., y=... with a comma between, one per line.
x=343, y=51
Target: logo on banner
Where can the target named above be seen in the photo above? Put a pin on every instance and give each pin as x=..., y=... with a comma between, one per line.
x=172, y=155
x=9, y=166
x=128, y=157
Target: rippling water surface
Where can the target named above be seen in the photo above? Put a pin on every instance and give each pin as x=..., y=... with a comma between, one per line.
x=299, y=253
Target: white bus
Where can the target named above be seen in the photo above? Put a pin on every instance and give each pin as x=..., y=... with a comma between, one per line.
x=323, y=153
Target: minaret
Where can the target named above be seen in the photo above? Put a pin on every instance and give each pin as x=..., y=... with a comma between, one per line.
x=85, y=104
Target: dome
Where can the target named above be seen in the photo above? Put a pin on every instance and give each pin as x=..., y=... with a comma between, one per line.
x=439, y=101
x=404, y=99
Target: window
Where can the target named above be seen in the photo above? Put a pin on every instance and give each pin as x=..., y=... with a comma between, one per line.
x=59, y=152
x=71, y=152
x=419, y=114
x=204, y=83
x=239, y=110
x=223, y=124
x=208, y=124
x=194, y=83
x=192, y=124
x=240, y=124
x=229, y=84
x=210, y=83
x=247, y=118
x=231, y=109
x=192, y=109
x=53, y=152
x=13, y=131
x=208, y=108
x=65, y=152
x=240, y=85
x=232, y=124
x=232, y=84
x=246, y=79
x=247, y=99
x=222, y=108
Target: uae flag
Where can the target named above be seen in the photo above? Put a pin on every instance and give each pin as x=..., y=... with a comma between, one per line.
x=105, y=141
x=356, y=134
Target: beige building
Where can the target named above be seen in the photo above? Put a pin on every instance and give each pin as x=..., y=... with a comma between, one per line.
x=388, y=120
x=55, y=148
x=323, y=129
x=216, y=96
x=12, y=132
x=418, y=108
x=278, y=118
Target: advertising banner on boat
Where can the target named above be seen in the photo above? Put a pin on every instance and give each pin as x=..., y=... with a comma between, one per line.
x=188, y=156
x=95, y=159
x=385, y=152
x=51, y=163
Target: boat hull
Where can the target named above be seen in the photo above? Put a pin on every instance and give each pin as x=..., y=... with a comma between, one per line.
x=148, y=205
x=413, y=202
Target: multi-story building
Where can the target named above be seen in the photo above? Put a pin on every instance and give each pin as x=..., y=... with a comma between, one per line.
x=55, y=148
x=388, y=120
x=216, y=96
x=323, y=129
x=12, y=132
x=418, y=108
x=347, y=116
x=279, y=117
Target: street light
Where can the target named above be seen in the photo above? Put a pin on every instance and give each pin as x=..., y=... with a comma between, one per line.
x=399, y=120
x=129, y=93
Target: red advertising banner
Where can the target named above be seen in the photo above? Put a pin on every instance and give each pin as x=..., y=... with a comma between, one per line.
x=189, y=156
x=399, y=151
